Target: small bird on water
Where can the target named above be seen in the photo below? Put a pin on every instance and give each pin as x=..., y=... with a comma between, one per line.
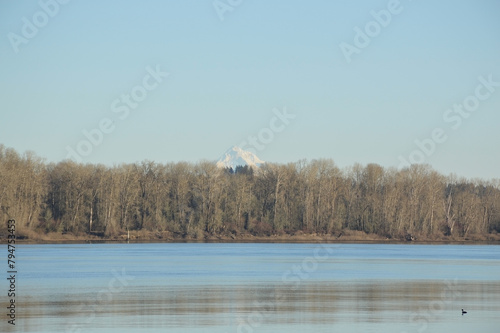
x=463, y=312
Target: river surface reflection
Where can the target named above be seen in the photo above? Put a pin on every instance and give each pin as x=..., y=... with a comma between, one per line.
x=192, y=287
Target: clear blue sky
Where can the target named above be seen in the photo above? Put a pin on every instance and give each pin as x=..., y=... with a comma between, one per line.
x=227, y=76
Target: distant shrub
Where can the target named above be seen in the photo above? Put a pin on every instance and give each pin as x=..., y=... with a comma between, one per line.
x=259, y=228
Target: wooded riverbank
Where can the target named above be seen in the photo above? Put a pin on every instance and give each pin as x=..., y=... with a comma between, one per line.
x=199, y=201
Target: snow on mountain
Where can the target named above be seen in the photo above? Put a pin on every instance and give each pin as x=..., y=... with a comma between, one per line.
x=235, y=156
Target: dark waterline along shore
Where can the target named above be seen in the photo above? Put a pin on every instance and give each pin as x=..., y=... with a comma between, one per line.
x=347, y=236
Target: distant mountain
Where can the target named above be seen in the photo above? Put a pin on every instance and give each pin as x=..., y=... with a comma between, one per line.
x=235, y=156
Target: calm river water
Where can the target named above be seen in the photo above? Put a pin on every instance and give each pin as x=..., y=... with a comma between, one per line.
x=194, y=287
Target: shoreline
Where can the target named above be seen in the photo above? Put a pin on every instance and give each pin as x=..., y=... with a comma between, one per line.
x=346, y=237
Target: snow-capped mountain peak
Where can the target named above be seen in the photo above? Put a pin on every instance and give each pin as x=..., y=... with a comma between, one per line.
x=235, y=156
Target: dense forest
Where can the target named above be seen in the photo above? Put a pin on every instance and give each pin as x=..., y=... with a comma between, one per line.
x=198, y=200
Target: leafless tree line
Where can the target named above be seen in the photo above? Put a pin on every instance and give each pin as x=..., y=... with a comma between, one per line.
x=199, y=199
